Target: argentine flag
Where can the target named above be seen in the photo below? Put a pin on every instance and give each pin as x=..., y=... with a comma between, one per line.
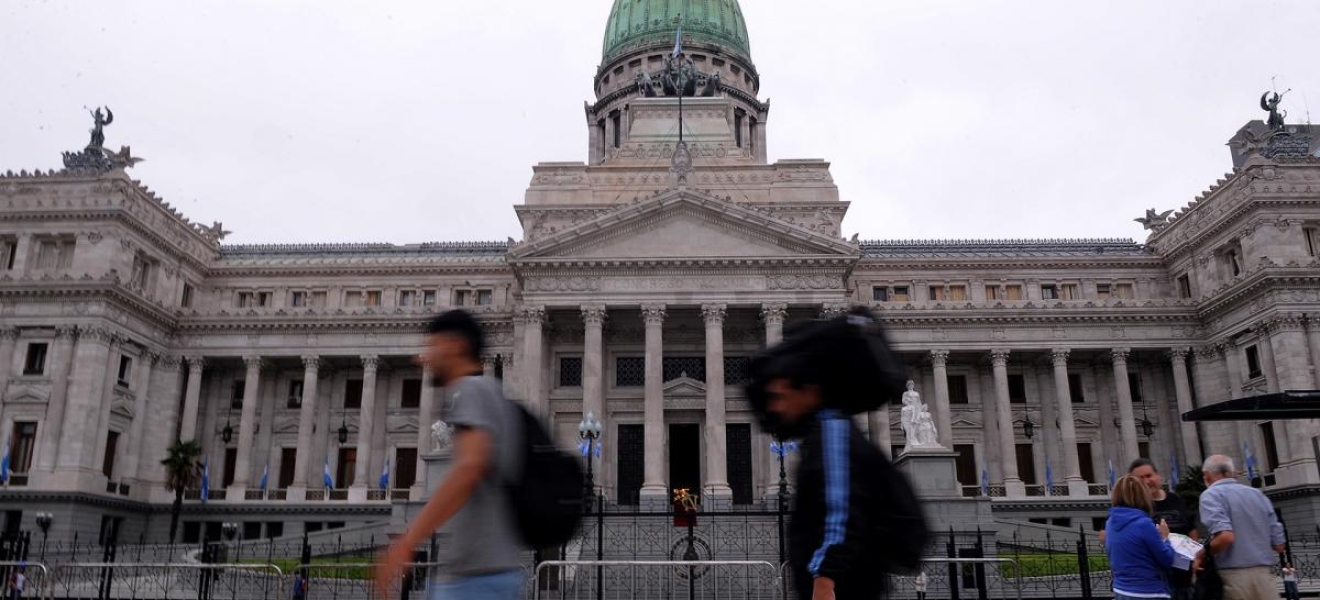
x=678, y=40
x=325, y=475
x=385, y=475
x=985, y=482
x=1173, y=463
x=4, y=465
x=265, y=476
x=1112, y=478
x=1049, y=479
x=206, y=479
x=1250, y=461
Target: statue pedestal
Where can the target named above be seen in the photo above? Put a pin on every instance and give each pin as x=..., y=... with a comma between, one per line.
x=933, y=474
x=437, y=465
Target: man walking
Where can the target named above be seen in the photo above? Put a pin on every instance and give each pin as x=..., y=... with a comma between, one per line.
x=1170, y=509
x=1245, y=534
x=484, y=562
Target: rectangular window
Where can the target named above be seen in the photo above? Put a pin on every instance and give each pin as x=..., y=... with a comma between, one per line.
x=24, y=443
x=236, y=394
x=317, y=300
x=1134, y=384
x=570, y=371
x=1075, y=391
x=143, y=266
x=1012, y=292
x=1017, y=389
x=1068, y=291
x=1233, y=263
x=1049, y=292
x=738, y=462
x=1102, y=291
x=1184, y=286
x=965, y=466
x=274, y=529
x=412, y=394
x=252, y=530
x=373, y=298
x=616, y=121
x=629, y=371
x=347, y=466
x=111, y=445
x=901, y=293
x=35, y=361
x=288, y=464
x=1085, y=462
x=879, y=294
x=1253, y=363
x=958, y=390
x=187, y=299
x=407, y=298
x=692, y=367
x=1312, y=241
x=264, y=299
x=298, y=299
x=55, y=254
x=461, y=297
x=630, y=464
x=993, y=292
x=353, y=393
x=428, y=297
x=125, y=371
x=485, y=297
x=405, y=468
x=958, y=293
x=1271, y=446
x=738, y=117
x=353, y=299
x=8, y=252
x=231, y=465
x=937, y=292
x=295, y=398
x=1124, y=291
x=735, y=370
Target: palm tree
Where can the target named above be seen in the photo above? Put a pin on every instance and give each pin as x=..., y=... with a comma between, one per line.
x=182, y=472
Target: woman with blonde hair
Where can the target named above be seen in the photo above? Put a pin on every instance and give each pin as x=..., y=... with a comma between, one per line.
x=1139, y=551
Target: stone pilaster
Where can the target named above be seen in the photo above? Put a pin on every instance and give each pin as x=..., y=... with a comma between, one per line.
x=1210, y=378
x=192, y=399
x=1072, y=471
x=1289, y=347
x=593, y=371
x=426, y=416
x=1313, y=342
x=61, y=364
x=717, y=478
x=247, y=428
x=1013, y=486
x=366, y=429
x=653, y=412
x=773, y=315
x=939, y=362
x=533, y=359
x=101, y=433
x=306, y=419
x=8, y=340
x=1127, y=426
x=81, y=415
x=134, y=447
x=1182, y=389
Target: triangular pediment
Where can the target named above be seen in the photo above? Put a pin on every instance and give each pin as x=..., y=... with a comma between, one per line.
x=684, y=386
x=682, y=224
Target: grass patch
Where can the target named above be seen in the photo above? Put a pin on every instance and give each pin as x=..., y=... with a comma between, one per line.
x=1047, y=565
x=321, y=568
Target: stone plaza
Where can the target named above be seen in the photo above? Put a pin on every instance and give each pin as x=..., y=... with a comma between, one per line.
x=645, y=279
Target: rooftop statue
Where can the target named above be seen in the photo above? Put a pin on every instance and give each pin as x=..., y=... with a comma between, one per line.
x=99, y=121
x=1270, y=104
x=1153, y=220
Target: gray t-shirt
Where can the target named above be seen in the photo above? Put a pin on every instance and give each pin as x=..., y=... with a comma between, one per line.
x=483, y=537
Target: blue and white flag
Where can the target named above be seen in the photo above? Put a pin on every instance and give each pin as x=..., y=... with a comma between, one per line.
x=1049, y=478
x=265, y=476
x=1250, y=461
x=586, y=447
x=206, y=479
x=325, y=475
x=678, y=41
x=1173, y=471
x=985, y=482
x=1112, y=477
x=4, y=465
x=385, y=475
x=780, y=449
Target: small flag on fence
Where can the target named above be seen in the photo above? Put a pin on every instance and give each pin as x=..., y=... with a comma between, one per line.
x=985, y=482
x=325, y=475
x=385, y=475
x=206, y=479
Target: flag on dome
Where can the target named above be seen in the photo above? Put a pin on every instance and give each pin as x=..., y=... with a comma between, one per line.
x=678, y=40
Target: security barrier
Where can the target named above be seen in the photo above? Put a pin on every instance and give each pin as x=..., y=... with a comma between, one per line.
x=657, y=580
x=167, y=581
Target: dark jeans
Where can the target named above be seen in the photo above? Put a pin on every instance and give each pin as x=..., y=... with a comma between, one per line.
x=1290, y=590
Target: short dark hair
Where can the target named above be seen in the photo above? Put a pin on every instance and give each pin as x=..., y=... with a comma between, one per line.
x=461, y=324
x=1143, y=462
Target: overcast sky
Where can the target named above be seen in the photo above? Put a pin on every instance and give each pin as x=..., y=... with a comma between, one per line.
x=329, y=121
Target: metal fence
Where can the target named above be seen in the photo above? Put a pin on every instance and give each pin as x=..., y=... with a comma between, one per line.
x=166, y=581
x=657, y=580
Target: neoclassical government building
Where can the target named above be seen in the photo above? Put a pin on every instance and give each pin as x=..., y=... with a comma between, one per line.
x=646, y=277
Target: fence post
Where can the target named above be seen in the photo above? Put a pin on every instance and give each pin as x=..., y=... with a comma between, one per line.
x=981, y=592
x=600, y=547
x=1083, y=563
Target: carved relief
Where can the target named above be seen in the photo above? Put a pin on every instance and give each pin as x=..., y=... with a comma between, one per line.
x=561, y=284
x=804, y=282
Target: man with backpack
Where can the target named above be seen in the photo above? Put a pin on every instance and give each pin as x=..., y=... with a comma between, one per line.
x=473, y=498
x=856, y=518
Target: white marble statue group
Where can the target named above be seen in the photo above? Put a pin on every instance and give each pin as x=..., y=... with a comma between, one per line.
x=918, y=426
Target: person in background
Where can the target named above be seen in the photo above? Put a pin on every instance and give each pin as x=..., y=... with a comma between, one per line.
x=1290, y=582
x=300, y=586
x=1138, y=549
x=919, y=584
x=1245, y=534
x=485, y=560
x=1170, y=509
x=18, y=582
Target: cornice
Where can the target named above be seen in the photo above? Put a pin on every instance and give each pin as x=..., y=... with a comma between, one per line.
x=322, y=323
x=89, y=289
x=1048, y=503
x=869, y=264
x=1250, y=287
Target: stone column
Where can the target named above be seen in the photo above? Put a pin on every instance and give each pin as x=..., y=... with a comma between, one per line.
x=425, y=418
x=533, y=352
x=61, y=363
x=773, y=315
x=162, y=427
x=1292, y=362
x=1191, y=440
x=717, y=467
x=102, y=429
x=593, y=361
x=1220, y=437
x=247, y=426
x=306, y=419
x=1268, y=365
x=8, y=339
x=366, y=429
x=142, y=388
x=1072, y=470
x=653, y=427
x=1013, y=486
x=1313, y=340
x=939, y=360
x=488, y=365
x=1127, y=427
x=82, y=411
x=192, y=396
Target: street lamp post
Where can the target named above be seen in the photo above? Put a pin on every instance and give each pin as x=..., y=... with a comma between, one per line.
x=44, y=521
x=589, y=432
x=781, y=448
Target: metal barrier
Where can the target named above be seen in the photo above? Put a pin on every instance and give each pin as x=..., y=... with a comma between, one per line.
x=941, y=585
x=167, y=581
x=37, y=583
x=658, y=579
x=357, y=581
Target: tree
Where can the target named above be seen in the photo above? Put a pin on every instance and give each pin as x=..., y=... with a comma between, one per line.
x=182, y=472
x=1189, y=488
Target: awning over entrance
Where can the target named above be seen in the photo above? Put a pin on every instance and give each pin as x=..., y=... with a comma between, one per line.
x=1294, y=404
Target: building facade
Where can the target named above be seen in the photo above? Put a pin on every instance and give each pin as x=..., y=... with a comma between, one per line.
x=646, y=278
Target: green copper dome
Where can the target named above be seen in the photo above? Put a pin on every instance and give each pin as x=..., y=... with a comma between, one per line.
x=644, y=22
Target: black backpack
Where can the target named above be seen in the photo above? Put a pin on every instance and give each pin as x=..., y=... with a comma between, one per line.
x=547, y=497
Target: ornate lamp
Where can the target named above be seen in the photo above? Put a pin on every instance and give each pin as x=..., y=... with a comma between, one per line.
x=227, y=434
x=1028, y=428
x=343, y=432
x=44, y=521
x=589, y=431
x=230, y=529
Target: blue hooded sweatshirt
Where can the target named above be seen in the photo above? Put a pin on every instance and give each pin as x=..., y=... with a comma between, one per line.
x=1138, y=557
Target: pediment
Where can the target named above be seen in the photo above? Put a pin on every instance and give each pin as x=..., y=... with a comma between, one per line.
x=964, y=423
x=27, y=392
x=682, y=224
x=684, y=386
